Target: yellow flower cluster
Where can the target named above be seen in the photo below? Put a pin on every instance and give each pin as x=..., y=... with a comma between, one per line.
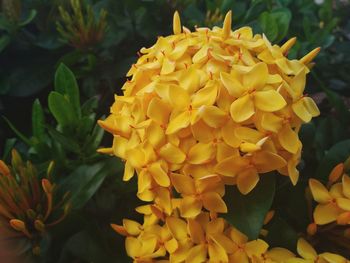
x=334, y=201
x=207, y=240
x=27, y=204
x=202, y=110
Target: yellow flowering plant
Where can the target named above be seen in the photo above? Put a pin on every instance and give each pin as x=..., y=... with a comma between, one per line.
x=28, y=205
x=203, y=112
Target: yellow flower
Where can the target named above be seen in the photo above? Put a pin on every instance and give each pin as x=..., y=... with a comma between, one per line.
x=202, y=110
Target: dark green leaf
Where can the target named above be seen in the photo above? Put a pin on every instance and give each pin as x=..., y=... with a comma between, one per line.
x=89, y=105
x=31, y=16
x=247, y=212
x=9, y=144
x=268, y=25
x=67, y=143
x=38, y=121
x=281, y=234
x=282, y=17
x=61, y=109
x=86, y=179
x=17, y=132
x=337, y=154
x=66, y=84
x=4, y=41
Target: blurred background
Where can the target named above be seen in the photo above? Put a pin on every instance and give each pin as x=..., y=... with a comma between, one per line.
x=98, y=40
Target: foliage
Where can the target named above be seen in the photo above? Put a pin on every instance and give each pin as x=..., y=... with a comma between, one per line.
x=54, y=89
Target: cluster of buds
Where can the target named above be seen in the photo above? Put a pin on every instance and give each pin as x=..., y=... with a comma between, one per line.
x=27, y=204
x=200, y=111
x=82, y=29
x=332, y=213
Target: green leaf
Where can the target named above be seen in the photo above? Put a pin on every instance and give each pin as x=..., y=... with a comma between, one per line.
x=61, y=109
x=281, y=234
x=17, y=132
x=31, y=16
x=89, y=105
x=247, y=212
x=4, y=41
x=268, y=25
x=9, y=144
x=337, y=154
x=66, y=84
x=282, y=18
x=86, y=180
x=38, y=120
x=67, y=143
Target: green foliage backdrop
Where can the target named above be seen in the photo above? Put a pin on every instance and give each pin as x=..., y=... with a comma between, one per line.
x=58, y=75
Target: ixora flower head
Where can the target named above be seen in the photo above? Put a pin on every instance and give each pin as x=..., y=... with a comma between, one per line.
x=27, y=204
x=202, y=110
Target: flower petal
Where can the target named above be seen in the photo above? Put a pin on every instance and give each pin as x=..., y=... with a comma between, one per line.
x=242, y=108
x=319, y=192
x=183, y=184
x=327, y=213
x=159, y=175
x=256, y=78
x=231, y=166
x=201, y=153
x=289, y=139
x=213, y=202
x=190, y=207
x=232, y=85
x=247, y=180
x=306, y=250
x=158, y=111
x=269, y=100
x=213, y=116
x=172, y=154
x=266, y=161
x=346, y=185
x=179, y=122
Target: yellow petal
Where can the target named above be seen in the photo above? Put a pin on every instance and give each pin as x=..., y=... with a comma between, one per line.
x=213, y=116
x=242, y=108
x=159, y=175
x=201, y=153
x=155, y=135
x=213, y=202
x=136, y=157
x=311, y=106
x=176, y=23
x=217, y=253
x=177, y=227
x=202, y=132
x=288, y=45
x=343, y=203
x=128, y=171
x=333, y=258
x=167, y=67
x=239, y=256
x=190, y=207
x=231, y=166
x=179, y=122
x=288, y=139
x=197, y=254
x=158, y=111
x=201, y=55
x=171, y=245
x=346, y=185
x=179, y=97
x=271, y=122
x=247, y=180
x=265, y=161
x=232, y=84
x=324, y=214
x=256, y=247
x=305, y=249
x=301, y=111
x=172, y=154
x=132, y=227
x=189, y=80
x=133, y=246
x=279, y=254
x=196, y=231
x=256, y=78
x=269, y=100
x=229, y=136
x=319, y=192
x=248, y=134
x=205, y=96
x=183, y=184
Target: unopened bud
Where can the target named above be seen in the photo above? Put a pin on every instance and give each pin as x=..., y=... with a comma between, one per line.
x=269, y=216
x=47, y=186
x=312, y=229
x=336, y=173
x=50, y=169
x=119, y=229
x=39, y=225
x=4, y=168
x=31, y=214
x=16, y=159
